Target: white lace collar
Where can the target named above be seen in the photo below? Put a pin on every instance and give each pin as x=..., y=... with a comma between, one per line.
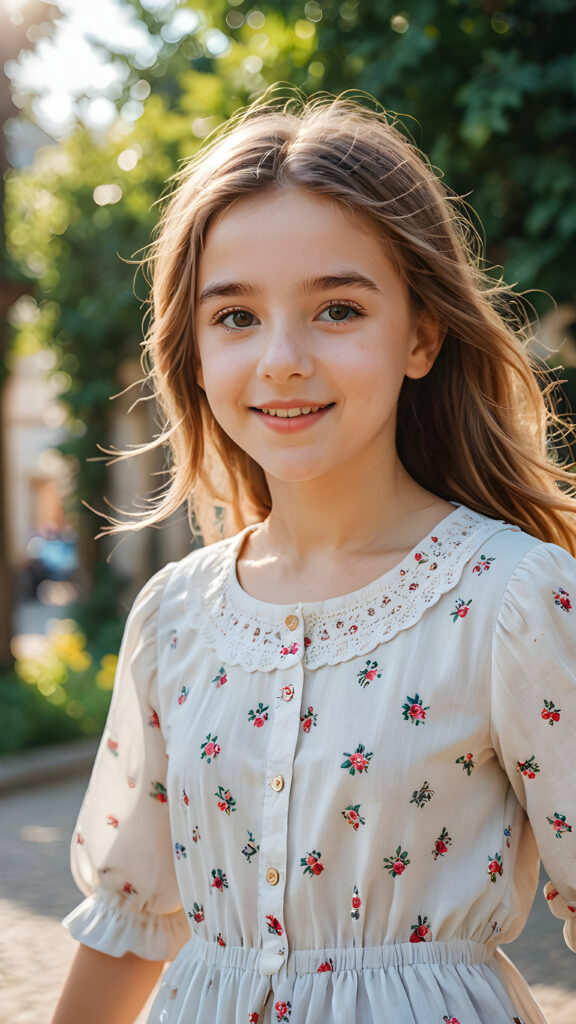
x=261, y=636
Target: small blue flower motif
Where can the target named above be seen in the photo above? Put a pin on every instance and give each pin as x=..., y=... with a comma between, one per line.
x=180, y=851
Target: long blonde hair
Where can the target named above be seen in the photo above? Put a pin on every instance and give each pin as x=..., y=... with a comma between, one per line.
x=475, y=430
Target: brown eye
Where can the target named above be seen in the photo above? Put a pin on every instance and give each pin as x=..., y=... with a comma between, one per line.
x=241, y=318
x=339, y=312
x=235, y=319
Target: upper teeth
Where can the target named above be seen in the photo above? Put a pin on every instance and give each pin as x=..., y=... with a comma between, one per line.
x=292, y=412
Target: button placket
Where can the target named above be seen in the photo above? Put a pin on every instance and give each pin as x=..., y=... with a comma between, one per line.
x=282, y=742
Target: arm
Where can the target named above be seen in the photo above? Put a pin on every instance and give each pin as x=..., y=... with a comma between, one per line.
x=534, y=712
x=101, y=987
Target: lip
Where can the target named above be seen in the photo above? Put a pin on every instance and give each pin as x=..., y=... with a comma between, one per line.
x=290, y=403
x=291, y=424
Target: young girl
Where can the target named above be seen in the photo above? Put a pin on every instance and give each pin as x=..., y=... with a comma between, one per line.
x=339, y=741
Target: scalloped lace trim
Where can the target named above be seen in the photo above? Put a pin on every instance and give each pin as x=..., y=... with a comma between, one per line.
x=253, y=634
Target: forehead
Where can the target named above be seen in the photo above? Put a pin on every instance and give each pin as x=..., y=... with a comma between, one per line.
x=285, y=229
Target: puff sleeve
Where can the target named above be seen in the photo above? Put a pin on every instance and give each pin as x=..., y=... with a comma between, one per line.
x=122, y=856
x=534, y=712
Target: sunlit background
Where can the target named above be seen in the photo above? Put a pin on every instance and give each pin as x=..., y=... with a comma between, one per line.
x=100, y=101
x=100, y=104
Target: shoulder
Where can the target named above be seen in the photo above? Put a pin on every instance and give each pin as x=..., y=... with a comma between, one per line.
x=517, y=570
x=201, y=573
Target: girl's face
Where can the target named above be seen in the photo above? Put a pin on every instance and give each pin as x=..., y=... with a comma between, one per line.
x=305, y=334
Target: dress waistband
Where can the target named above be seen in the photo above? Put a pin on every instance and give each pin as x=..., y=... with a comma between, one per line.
x=351, y=958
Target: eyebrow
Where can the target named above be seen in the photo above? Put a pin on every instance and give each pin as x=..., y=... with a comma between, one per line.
x=347, y=279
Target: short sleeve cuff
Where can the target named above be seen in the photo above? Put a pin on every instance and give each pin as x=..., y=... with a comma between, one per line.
x=104, y=922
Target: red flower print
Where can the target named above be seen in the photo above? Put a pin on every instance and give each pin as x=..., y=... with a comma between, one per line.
x=220, y=940
x=183, y=694
x=307, y=641
x=210, y=748
x=196, y=834
x=197, y=913
x=309, y=719
x=562, y=599
x=253, y=1018
x=434, y=540
x=220, y=678
x=154, y=721
x=550, y=713
x=413, y=711
x=259, y=716
x=529, y=767
x=559, y=824
x=353, y=816
x=185, y=798
x=482, y=565
x=326, y=965
x=450, y=1020
x=398, y=864
x=356, y=904
x=461, y=609
x=293, y=649
x=274, y=926
x=112, y=746
x=220, y=881
x=79, y=839
x=111, y=820
x=421, y=932
x=370, y=672
x=358, y=761
x=283, y=1011
x=495, y=866
x=441, y=845
x=467, y=762
x=311, y=863
x=128, y=889
x=226, y=801
x=159, y=792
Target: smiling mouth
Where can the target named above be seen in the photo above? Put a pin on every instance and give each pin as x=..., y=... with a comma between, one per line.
x=305, y=410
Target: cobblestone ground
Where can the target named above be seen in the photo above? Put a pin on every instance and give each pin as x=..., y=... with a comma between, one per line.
x=36, y=890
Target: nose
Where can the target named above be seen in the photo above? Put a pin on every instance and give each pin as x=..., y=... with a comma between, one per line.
x=285, y=353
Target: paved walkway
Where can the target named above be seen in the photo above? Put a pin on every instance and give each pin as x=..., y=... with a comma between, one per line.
x=36, y=890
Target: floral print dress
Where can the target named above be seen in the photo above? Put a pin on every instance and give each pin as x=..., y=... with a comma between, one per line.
x=333, y=813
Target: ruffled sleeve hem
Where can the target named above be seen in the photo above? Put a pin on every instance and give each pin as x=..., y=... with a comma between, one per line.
x=564, y=911
x=108, y=925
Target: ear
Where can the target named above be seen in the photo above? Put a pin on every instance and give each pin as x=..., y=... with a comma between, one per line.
x=427, y=339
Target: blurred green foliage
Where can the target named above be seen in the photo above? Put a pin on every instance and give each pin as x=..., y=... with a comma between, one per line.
x=58, y=693
x=486, y=88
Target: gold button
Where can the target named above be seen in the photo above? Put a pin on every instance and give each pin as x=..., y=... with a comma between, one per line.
x=272, y=876
x=277, y=783
x=287, y=692
x=291, y=621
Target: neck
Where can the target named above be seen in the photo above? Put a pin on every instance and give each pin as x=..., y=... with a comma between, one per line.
x=358, y=510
